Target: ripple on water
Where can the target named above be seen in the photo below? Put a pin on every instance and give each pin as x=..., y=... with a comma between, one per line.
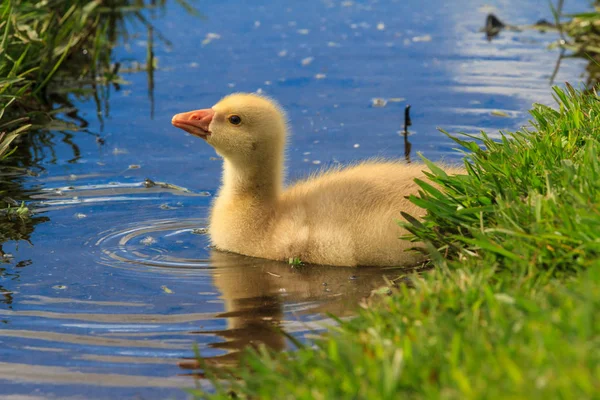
x=157, y=245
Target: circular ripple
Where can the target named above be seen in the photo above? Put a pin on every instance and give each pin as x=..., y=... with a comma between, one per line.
x=171, y=244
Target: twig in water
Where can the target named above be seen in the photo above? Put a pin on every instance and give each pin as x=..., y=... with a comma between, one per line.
x=557, y=66
x=407, y=123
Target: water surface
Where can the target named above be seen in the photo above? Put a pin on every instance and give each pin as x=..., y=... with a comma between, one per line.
x=117, y=283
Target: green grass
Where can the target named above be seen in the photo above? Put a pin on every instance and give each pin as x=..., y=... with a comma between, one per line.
x=49, y=50
x=52, y=55
x=512, y=307
x=531, y=200
x=580, y=37
x=36, y=40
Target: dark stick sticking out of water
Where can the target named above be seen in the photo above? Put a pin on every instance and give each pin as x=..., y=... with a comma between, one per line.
x=407, y=123
x=493, y=26
x=150, y=69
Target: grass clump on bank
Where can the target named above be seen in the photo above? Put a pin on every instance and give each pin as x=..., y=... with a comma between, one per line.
x=50, y=50
x=52, y=55
x=512, y=307
x=581, y=37
x=531, y=201
x=38, y=42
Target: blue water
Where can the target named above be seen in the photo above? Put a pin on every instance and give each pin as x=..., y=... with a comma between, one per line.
x=113, y=291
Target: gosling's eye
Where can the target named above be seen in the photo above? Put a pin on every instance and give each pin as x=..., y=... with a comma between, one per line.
x=235, y=120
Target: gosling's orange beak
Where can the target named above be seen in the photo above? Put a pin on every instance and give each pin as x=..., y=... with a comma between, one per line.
x=195, y=122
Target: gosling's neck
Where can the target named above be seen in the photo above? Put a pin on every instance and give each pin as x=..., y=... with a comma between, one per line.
x=261, y=181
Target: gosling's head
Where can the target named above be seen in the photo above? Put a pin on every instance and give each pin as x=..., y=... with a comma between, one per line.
x=241, y=127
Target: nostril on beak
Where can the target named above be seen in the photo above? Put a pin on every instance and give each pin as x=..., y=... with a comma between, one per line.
x=198, y=118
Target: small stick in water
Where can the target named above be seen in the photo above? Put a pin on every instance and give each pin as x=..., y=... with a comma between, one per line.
x=407, y=123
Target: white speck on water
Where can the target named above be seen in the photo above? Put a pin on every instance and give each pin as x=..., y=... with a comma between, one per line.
x=80, y=216
x=316, y=162
x=306, y=160
x=256, y=24
x=282, y=53
x=148, y=240
x=210, y=37
x=303, y=31
x=320, y=76
x=134, y=166
x=488, y=9
x=116, y=151
x=72, y=177
x=316, y=141
x=193, y=65
x=306, y=61
x=498, y=113
x=231, y=85
x=378, y=102
x=267, y=83
x=356, y=145
x=333, y=44
x=396, y=99
x=424, y=38
x=380, y=26
x=306, y=153
x=259, y=90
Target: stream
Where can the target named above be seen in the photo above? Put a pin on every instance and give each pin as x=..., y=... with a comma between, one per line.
x=117, y=282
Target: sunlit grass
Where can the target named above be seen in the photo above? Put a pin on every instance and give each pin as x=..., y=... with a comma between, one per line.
x=530, y=201
x=512, y=306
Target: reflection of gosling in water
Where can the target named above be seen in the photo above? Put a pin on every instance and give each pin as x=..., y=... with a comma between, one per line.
x=344, y=216
x=259, y=295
